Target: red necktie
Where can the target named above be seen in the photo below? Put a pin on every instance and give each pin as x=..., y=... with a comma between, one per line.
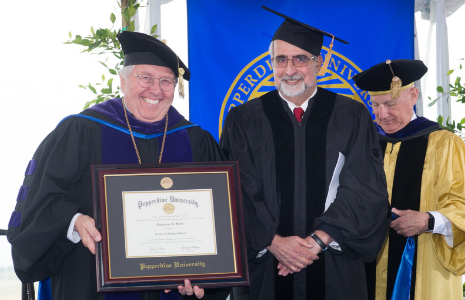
x=298, y=113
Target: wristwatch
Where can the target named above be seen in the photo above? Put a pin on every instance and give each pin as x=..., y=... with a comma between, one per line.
x=430, y=222
x=319, y=242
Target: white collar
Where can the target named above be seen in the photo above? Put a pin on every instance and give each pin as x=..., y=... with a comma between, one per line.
x=292, y=105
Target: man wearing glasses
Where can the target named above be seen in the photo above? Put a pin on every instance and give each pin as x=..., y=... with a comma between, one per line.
x=52, y=231
x=312, y=177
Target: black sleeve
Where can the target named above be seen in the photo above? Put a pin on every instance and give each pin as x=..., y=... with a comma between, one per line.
x=358, y=218
x=38, y=238
x=243, y=139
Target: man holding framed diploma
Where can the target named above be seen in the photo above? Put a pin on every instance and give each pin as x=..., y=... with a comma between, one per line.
x=52, y=230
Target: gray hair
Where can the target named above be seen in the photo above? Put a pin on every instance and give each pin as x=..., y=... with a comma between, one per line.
x=125, y=71
x=270, y=49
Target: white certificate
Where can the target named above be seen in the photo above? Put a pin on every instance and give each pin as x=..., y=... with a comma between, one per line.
x=169, y=223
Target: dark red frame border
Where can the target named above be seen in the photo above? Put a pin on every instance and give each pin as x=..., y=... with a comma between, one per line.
x=106, y=284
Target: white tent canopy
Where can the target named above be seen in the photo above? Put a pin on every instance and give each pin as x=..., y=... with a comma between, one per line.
x=435, y=52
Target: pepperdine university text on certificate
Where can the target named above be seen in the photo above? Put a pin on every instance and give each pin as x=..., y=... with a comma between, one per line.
x=169, y=223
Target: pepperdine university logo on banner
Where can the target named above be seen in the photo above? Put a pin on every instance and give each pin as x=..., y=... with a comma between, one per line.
x=227, y=42
x=256, y=79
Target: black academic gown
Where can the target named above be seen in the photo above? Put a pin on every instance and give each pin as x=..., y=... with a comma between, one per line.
x=286, y=170
x=60, y=187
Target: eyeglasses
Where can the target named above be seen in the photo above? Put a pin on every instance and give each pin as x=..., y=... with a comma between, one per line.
x=297, y=61
x=166, y=84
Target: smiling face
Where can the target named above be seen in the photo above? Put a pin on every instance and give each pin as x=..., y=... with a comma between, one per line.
x=393, y=115
x=296, y=84
x=147, y=104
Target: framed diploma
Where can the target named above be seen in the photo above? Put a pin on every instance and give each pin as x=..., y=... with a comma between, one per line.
x=163, y=223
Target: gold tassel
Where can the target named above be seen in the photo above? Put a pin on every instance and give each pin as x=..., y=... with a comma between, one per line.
x=181, y=82
x=324, y=68
x=396, y=83
x=181, y=79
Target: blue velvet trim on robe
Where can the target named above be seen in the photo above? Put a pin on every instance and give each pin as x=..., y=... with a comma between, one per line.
x=413, y=127
x=117, y=148
x=22, y=193
x=31, y=167
x=15, y=219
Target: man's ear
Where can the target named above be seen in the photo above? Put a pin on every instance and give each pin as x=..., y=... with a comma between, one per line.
x=319, y=62
x=122, y=83
x=414, y=94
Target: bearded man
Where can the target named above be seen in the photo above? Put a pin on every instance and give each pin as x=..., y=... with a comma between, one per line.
x=312, y=179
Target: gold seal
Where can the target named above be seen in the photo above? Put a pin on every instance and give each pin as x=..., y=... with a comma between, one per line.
x=168, y=208
x=166, y=182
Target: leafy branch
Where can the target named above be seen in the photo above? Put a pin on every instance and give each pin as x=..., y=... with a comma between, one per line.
x=457, y=90
x=103, y=41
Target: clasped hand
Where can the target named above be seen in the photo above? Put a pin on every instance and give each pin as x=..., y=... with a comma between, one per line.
x=293, y=253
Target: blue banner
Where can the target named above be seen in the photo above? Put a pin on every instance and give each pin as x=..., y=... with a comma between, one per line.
x=229, y=40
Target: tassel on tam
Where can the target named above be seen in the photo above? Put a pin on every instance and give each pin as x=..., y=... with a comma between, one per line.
x=324, y=68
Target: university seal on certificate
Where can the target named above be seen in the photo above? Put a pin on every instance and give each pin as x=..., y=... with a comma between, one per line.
x=166, y=182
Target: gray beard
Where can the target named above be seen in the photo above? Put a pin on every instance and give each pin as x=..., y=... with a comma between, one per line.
x=292, y=90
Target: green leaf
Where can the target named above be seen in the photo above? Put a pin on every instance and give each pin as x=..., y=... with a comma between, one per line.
x=125, y=15
x=440, y=119
x=459, y=126
x=103, y=64
x=84, y=42
x=103, y=77
x=94, y=45
x=154, y=28
x=92, y=30
x=440, y=89
x=131, y=12
x=132, y=27
x=110, y=81
x=450, y=72
x=92, y=89
x=106, y=91
x=112, y=18
x=70, y=35
x=112, y=71
x=462, y=121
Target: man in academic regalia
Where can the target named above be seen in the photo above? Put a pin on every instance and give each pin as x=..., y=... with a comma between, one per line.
x=51, y=230
x=314, y=190
x=425, y=169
